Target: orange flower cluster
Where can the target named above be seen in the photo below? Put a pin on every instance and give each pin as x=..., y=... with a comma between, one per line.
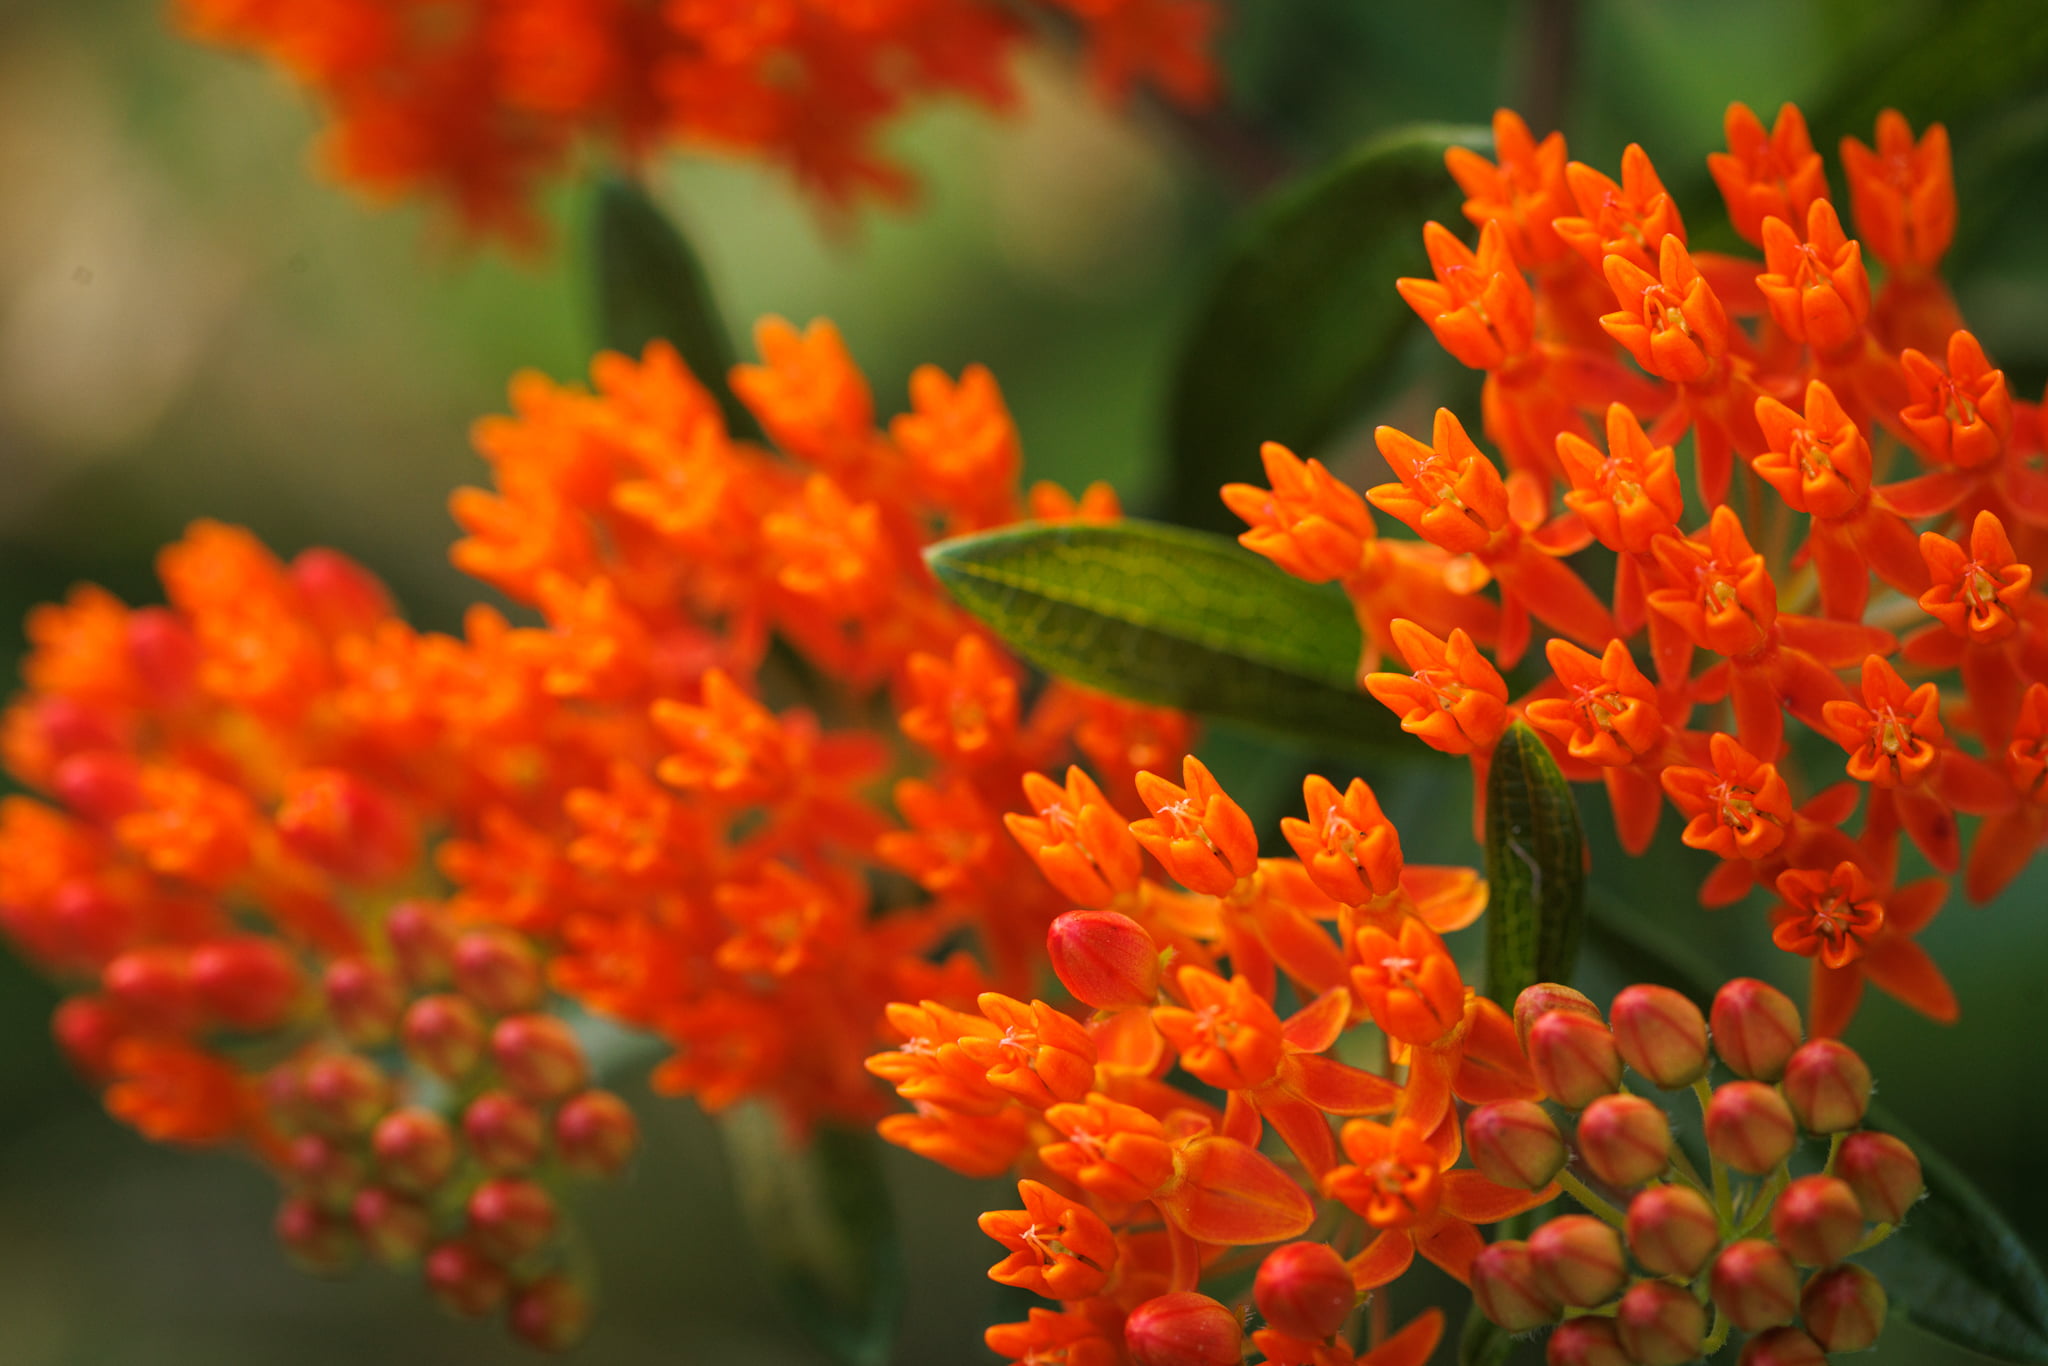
x=478, y=102
x=1872, y=437
x=314, y=872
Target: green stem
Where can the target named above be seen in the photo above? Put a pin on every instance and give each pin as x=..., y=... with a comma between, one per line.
x=1719, y=1336
x=1682, y=1163
x=1724, y=1201
x=1591, y=1199
x=1834, y=1148
x=1877, y=1235
x=1766, y=1196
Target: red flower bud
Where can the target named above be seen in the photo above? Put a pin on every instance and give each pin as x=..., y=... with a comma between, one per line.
x=511, y=1217
x=1827, y=1085
x=248, y=983
x=505, y=1133
x=323, y=1171
x=345, y=826
x=539, y=1057
x=1304, y=1290
x=1750, y=1127
x=394, y=1228
x=1781, y=1347
x=1578, y=1260
x=316, y=1241
x=1672, y=1230
x=1661, y=1035
x=153, y=987
x=1506, y=1289
x=1183, y=1329
x=1537, y=1001
x=465, y=1280
x=499, y=971
x=165, y=653
x=363, y=999
x=552, y=1314
x=1755, y=1285
x=1817, y=1220
x=343, y=1093
x=422, y=941
x=340, y=596
x=595, y=1134
x=445, y=1035
x=1105, y=959
x=1625, y=1140
x=1515, y=1143
x=1756, y=1027
x=86, y=1029
x=96, y=923
x=1587, y=1341
x=1883, y=1172
x=1660, y=1324
x=100, y=785
x=415, y=1150
x=1844, y=1308
x=1574, y=1058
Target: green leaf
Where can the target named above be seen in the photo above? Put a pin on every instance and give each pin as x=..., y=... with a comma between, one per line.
x=1303, y=314
x=821, y=1221
x=1175, y=618
x=650, y=284
x=1536, y=867
x=1482, y=1342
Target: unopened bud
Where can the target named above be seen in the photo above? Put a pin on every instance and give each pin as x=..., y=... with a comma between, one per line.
x=1660, y=1324
x=422, y=941
x=415, y=1150
x=445, y=1035
x=394, y=1228
x=505, y=1133
x=1537, y=1001
x=1506, y=1288
x=1755, y=1285
x=1884, y=1173
x=1578, y=1260
x=1661, y=1035
x=465, y=1280
x=595, y=1134
x=1304, y=1290
x=247, y=982
x=1183, y=1329
x=1574, y=1058
x=316, y=1241
x=86, y=1029
x=1750, y=1127
x=539, y=1057
x=1105, y=959
x=511, y=1217
x=1586, y=1341
x=499, y=971
x=364, y=1000
x=1672, y=1230
x=340, y=596
x=1626, y=1140
x=1756, y=1027
x=1817, y=1220
x=165, y=653
x=553, y=1313
x=97, y=923
x=323, y=1171
x=101, y=785
x=153, y=987
x=1515, y=1143
x=1781, y=1347
x=1844, y=1308
x=343, y=1093
x=1827, y=1084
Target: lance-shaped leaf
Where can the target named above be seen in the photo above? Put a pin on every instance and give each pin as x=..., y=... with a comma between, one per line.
x=1175, y=618
x=1303, y=316
x=1535, y=866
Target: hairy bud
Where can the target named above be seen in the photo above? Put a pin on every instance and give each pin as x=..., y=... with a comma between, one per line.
x=319, y=1243
x=595, y=1134
x=1543, y=998
x=1827, y=1084
x=1844, y=1308
x=1755, y=1285
x=499, y=971
x=1672, y=1230
x=344, y=1093
x=364, y=999
x=510, y=1217
x=1884, y=1174
x=1756, y=1027
x=1574, y=1058
x=415, y=1150
x=1817, y=1220
x=1105, y=959
x=1588, y=1341
x=1625, y=1140
x=1515, y=1143
x=1506, y=1288
x=1183, y=1329
x=1660, y=1034
x=1750, y=1127
x=445, y=1035
x=394, y=1228
x=1578, y=1260
x=1660, y=1324
x=465, y=1279
x=552, y=1313
x=422, y=941
x=1304, y=1290
x=1781, y=1347
x=506, y=1134
x=539, y=1057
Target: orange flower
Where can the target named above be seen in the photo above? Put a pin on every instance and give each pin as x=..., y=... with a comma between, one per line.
x=1455, y=700
x=1041, y=1056
x=1981, y=594
x=1671, y=322
x=1046, y=1338
x=1058, y=1249
x=1401, y=1184
x=1727, y=602
x=1894, y=736
x=964, y=709
x=1630, y=220
x=1311, y=524
x=1764, y=176
x=1115, y=1152
x=1609, y=712
x=1628, y=496
x=1740, y=809
x=1349, y=847
x=1826, y=916
x=1817, y=289
x=1524, y=192
x=1959, y=417
x=1408, y=982
x=1479, y=306
x=1197, y=833
x=1077, y=839
x=1903, y=193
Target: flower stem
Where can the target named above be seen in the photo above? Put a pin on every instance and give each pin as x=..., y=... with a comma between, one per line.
x=1718, y=1337
x=1591, y=1199
x=1724, y=1201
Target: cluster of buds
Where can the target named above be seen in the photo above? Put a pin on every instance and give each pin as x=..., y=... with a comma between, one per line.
x=1634, y=1279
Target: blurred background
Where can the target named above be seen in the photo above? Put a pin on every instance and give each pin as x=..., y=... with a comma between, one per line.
x=193, y=324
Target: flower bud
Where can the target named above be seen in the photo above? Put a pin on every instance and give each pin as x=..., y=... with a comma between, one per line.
x=1105, y=959
x=165, y=653
x=1506, y=1289
x=1183, y=1329
x=1756, y=1027
x=539, y=1057
x=1781, y=1347
x=595, y=1134
x=323, y=1171
x=1844, y=1308
x=1625, y=1140
x=1537, y=1001
x=499, y=971
x=364, y=1000
x=1827, y=1084
x=553, y=1313
x=86, y=1029
x=100, y=785
x=247, y=982
x=394, y=1228
x=1578, y=1260
x=96, y=923
x=340, y=596
x=415, y=1150
x=1304, y=1290
x=1817, y=1220
x=1672, y=1230
x=1587, y=1341
x=1515, y=1143
x=1574, y=1058
x=1750, y=1127
x=505, y=1133
x=1661, y=1035
x=316, y=1241
x=153, y=987
x=464, y=1280
x=343, y=1093
x=422, y=941
x=510, y=1217
x=445, y=1035
x=1884, y=1174
x=1755, y=1285
x=1660, y=1324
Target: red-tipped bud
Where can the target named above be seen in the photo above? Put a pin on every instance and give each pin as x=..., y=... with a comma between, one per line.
x=1106, y=959
x=505, y=1133
x=1515, y=1143
x=1587, y=1341
x=445, y=1035
x=499, y=971
x=1183, y=1329
x=1750, y=1127
x=1781, y=1347
x=86, y=1029
x=1672, y=1230
x=1506, y=1288
x=1827, y=1084
x=1537, y=1001
x=1755, y=1285
x=343, y=1093
x=552, y=1314
x=340, y=596
x=1574, y=1058
x=165, y=653
x=422, y=941
x=1625, y=1140
x=101, y=785
x=394, y=1228
x=1304, y=1290
x=465, y=1280
x=595, y=1134
x=323, y=1171
x=316, y=1241
x=247, y=982
x=1660, y=1324
x=1578, y=1260
x=1756, y=1027
x=96, y=923
x=153, y=987
x=364, y=999
x=415, y=1150
x=1844, y=1308
x=1661, y=1035
x=1817, y=1220
x=511, y=1217
x=539, y=1057
x=1883, y=1172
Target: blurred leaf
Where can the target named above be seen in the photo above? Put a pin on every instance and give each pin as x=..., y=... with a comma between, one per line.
x=1535, y=866
x=650, y=284
x=1964, y=58
x=1482, y=1342
x=1175, y=618
x=1303, y=314
x=821, y=1220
